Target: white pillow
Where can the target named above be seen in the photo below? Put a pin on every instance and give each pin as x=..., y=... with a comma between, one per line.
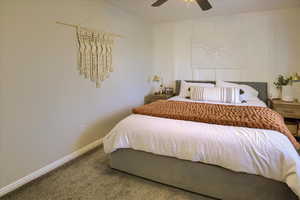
x=185, y=88
x=223, y=95
x=249, y=92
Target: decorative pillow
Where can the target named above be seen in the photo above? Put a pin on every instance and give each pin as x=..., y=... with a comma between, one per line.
x=185, y=88
x=249, y=92
x=217, y=94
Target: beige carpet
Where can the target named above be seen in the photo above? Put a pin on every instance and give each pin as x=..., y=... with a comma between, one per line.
x=90, y=178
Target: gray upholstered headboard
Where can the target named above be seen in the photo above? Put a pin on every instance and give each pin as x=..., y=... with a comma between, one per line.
x=261, y=87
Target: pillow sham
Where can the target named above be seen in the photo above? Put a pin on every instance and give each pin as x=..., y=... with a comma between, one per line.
x=217, y=94
x=185, y=88
x=249, y=92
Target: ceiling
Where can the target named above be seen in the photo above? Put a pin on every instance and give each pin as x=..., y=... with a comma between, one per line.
x=179, y=10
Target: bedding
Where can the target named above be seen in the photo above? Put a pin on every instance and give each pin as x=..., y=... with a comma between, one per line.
x=254, y=151
x=262, y=152
x=185, y=88
x=242, y=116
x=216, y=94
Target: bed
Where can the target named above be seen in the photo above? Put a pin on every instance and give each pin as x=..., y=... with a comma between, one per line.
x=152, y=147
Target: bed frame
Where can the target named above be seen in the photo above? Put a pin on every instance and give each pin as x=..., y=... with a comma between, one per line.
x=209, y=180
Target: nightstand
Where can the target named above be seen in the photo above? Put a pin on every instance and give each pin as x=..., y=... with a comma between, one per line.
x=154, y=97
x=291, y=113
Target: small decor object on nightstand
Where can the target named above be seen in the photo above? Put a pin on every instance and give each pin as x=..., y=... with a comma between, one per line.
x=158, y=84
x=284, y=84
x=169, y=91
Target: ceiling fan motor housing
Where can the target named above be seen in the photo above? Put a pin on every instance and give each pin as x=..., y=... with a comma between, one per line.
x=204, y=4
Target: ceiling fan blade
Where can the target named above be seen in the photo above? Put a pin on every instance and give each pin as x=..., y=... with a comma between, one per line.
x=204, y=4
x=159, y=3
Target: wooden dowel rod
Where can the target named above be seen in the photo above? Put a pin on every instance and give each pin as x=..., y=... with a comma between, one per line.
x=75, y=26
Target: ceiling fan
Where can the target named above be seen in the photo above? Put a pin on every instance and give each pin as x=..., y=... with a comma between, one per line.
x=204, y=4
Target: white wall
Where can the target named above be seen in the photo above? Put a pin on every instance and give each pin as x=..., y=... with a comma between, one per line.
x=163, y=61
x=248, y=47
x=47, y=109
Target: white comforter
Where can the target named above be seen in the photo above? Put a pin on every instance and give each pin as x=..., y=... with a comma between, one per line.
x=254, y=151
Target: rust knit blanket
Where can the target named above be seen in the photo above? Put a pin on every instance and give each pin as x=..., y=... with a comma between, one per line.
x=230, y=115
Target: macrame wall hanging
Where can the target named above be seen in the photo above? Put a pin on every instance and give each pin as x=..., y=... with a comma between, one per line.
x=94, y=53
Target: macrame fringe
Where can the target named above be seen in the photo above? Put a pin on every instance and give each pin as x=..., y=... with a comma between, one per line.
x=94, y=55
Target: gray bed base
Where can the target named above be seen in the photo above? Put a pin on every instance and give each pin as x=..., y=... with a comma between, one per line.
x=209, y=180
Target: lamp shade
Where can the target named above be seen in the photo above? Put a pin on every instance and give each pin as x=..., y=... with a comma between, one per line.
x=296, y=77
x=156, y=78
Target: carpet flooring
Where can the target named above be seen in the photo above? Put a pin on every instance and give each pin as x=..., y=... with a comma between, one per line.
x=90, y=178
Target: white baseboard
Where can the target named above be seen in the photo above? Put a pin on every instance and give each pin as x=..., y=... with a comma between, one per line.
x=13, y=186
